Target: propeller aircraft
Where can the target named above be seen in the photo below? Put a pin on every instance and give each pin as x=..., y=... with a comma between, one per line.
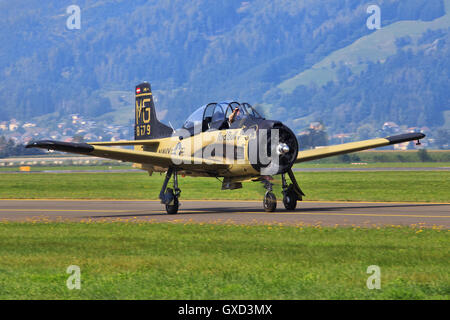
x=228, y=140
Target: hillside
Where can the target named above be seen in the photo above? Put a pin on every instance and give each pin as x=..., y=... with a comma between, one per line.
x=399, y=73
x=372, y=48
x=260, y=51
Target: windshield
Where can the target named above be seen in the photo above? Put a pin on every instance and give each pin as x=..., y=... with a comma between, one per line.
x=219, y=111
x=195, y=118
x=250, y=110
x=245, y=109
x=218, y=115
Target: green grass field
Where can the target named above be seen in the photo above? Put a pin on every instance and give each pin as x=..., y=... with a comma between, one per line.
x=140, y=260
x=407, y=186
x=69, y=167
x=193, y=261
x=362, y=165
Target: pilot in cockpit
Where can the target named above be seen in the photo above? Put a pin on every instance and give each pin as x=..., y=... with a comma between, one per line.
x=233, y=116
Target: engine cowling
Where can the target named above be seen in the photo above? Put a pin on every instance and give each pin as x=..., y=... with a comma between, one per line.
x=276, y=147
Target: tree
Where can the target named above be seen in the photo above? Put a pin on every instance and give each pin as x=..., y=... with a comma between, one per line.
x=314, y=136
x=424, y=156
x=442, y=139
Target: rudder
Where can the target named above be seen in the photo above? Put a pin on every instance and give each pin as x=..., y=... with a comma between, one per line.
x=147, y=125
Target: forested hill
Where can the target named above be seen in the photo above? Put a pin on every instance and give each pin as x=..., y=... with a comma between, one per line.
x=198, y=51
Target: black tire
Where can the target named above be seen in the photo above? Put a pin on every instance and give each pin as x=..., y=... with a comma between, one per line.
x=270, y=202
x=173, y=209
x=290, y=200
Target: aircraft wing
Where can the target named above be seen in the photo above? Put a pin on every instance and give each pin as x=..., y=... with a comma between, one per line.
x=329, y=151
x=144, y=157
x=126, y=143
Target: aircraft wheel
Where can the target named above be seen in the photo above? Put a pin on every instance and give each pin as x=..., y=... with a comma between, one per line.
x=173, y=209
x=270, y=202
x=290, y=200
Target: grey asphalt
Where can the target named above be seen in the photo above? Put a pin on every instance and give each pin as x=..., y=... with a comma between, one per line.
x=364, y=214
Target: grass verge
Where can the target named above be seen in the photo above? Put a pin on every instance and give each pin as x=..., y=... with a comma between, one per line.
x=393, y=186
x=196, y=261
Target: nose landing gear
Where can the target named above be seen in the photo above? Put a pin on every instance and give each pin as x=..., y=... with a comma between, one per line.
x=291, y=193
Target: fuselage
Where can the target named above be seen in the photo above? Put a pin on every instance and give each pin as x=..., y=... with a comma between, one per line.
x=242, y=147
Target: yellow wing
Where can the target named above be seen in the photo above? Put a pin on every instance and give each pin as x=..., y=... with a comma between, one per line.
x=143, y=157
x=127, y=142
x=314, y=154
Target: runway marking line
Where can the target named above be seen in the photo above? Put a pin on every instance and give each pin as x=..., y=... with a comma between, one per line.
x=329, y=214
x=360, y=214
x=63, y=210
x=243, y=213
x=216, y=200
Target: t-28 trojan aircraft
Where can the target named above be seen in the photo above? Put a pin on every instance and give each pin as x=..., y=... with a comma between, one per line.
x=228, y=140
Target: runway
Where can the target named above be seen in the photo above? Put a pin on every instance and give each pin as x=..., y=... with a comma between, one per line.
x=364, y=214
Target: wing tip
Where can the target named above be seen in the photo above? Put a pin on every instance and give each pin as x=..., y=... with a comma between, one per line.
x=405, y=137
x=61, y=146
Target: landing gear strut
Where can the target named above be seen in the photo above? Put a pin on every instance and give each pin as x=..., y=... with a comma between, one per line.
x=170, y=196
x=292, y=192
x=270, y=201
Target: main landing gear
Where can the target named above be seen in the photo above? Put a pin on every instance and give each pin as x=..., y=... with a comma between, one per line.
x=170, y=196
x=291, y=193
x=270, y=201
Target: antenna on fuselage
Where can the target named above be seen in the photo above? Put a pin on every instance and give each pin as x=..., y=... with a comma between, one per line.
x=171, y=126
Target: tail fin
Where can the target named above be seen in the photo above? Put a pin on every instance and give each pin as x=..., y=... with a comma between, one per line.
x=147, y=125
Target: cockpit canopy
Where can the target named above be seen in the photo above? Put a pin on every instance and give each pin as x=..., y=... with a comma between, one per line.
x=213, y=115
